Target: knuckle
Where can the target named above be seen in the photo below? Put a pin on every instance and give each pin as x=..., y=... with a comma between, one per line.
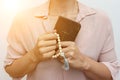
x=40, y=44
x=40, y=37
x=45, y=56
x=71, y=53
x=41, y=50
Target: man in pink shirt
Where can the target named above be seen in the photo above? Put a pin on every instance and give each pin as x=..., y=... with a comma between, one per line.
x=32, y=44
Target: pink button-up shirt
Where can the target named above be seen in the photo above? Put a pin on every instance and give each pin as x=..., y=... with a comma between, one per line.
x=95, y=40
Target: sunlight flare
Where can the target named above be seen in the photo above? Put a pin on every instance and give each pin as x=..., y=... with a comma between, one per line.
x=12, y=6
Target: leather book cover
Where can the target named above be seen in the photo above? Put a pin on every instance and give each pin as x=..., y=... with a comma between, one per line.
x=67, y=29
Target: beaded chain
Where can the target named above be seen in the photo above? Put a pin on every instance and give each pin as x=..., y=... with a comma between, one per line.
x=61, y=53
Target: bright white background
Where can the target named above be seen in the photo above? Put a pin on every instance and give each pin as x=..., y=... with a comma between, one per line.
x=111, y=7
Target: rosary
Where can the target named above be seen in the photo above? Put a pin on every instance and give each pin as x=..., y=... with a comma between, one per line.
x=61, y=53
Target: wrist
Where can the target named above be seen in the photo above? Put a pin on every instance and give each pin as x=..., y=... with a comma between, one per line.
x=32, y=56
x=86, y=65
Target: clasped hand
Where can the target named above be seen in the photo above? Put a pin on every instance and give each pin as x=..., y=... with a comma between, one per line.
x=46, y=47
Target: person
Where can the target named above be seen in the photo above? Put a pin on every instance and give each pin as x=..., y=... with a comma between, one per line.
x=32, y=43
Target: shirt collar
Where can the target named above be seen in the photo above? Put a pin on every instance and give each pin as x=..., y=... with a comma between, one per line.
x=84, y=11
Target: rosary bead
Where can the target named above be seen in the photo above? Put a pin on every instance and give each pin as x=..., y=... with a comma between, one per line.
x=61, y=53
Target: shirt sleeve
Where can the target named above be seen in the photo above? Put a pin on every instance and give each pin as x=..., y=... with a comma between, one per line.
x=15, y=47
x=108, y=54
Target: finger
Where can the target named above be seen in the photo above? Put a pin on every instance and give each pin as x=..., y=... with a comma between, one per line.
x=68, y=49
x=61, y=59
x=63, y=49
x=70, y=60
x=53, y=31
x=69, y=54
x=49, y=54
x=47, y=43
x=50, y=36
x=47, y=49
x=67, y=43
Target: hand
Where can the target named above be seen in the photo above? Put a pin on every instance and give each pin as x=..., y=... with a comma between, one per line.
x=45, y=47
x=75, y=58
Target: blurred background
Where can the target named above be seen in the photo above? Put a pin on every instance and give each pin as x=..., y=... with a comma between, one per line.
x=9, y=8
